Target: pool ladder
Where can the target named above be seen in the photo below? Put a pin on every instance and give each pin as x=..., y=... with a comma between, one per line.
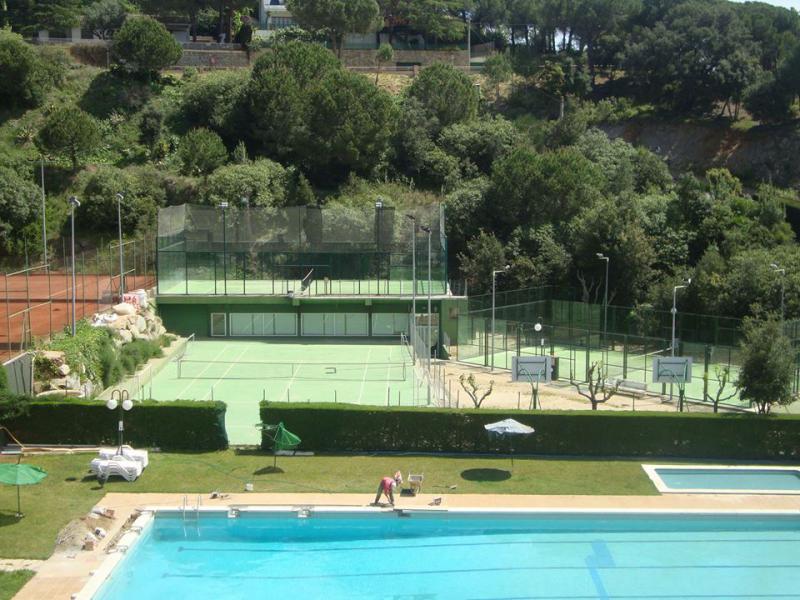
x=191, y=513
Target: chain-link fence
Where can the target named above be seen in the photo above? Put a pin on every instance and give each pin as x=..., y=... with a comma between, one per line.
x=301, y=250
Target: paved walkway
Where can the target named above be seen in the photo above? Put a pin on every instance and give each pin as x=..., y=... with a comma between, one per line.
x=63, y=575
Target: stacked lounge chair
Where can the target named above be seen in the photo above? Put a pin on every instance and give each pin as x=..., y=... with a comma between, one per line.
x=123, y=461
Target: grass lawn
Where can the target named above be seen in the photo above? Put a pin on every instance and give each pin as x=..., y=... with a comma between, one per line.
x=12, y=581
x=67, y=492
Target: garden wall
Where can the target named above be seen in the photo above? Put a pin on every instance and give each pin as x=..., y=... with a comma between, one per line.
x=350, y=428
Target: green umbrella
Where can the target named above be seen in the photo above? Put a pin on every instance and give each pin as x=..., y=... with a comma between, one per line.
x=282, y=439
x=21, y=474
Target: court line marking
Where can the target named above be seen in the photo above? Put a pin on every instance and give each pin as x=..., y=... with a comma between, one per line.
x=228, y=370
x=193, y=381
x=364, y=376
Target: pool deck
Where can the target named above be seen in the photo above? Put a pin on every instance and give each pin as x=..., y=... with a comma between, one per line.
x=64, y=574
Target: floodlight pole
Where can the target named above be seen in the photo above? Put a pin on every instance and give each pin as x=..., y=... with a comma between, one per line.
x=494, y=293
x=224, y=207
x=782, y=272
x=674, y=312
x=413, y=220
x=605, y=299
x=120, y=198
x=44, y=214
x=73, y=204
x=430, y=312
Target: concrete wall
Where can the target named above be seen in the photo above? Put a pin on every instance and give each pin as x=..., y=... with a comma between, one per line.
x=214, y=59
x=366, y=58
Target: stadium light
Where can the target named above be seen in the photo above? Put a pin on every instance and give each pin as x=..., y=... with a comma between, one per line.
x=73, y=204
x=602, y=256
x=413, y=219
x=430, y=312
x=782, y=272
x=494, y=289
x=120, y=198
x=224, y=207
x=674, y=310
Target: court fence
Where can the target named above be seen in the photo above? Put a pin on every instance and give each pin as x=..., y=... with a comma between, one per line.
x=302, y=250
x=573, y=334
x=36, y=299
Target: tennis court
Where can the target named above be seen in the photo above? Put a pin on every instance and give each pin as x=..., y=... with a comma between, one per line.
x=242, y=373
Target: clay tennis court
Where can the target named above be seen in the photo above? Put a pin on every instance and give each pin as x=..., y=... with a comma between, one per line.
x=35, y=303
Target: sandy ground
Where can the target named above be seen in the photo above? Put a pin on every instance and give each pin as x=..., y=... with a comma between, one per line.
x=556, y=396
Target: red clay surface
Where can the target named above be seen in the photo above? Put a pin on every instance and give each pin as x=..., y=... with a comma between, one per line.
x=49, y=298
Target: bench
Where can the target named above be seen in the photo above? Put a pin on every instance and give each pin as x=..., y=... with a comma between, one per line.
x=637, y=389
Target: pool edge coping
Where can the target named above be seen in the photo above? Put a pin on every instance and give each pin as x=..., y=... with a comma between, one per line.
x=652, y=473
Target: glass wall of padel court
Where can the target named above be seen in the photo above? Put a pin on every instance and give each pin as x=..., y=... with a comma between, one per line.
x=574, y=334
x=308, y=251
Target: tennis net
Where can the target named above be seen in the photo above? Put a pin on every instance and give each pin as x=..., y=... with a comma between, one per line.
x=308, y=371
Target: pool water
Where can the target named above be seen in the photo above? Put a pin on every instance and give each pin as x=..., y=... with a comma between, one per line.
x=731, y=479
x=462, y=556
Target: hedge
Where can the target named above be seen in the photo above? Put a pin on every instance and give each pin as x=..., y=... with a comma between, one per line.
x=179, y=425
x=352, y=428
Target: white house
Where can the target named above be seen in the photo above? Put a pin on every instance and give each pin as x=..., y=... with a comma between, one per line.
x=273, y=15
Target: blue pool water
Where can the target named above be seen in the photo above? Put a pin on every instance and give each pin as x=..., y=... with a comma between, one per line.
x=462, y=557
x=731, y=479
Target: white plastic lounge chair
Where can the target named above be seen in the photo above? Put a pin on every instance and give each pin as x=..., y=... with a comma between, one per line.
x=415, y=482
x=139, y=456
x=119, y=465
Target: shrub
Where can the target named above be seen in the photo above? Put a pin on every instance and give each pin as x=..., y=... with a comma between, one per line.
x=84, y=351
x=446, y=94
x=3, y=379
x=16, y=207
x=143, y=47
x=262, y=182
x=139, y=352
x=351, y=428
x=215, y=101
x=94, y=55
x=178, y=425
x=201, y=151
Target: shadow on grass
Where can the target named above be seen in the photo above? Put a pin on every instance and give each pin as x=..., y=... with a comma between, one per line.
x=251, y=451
x=9, y=517
x=269, y=471
x=485, y=474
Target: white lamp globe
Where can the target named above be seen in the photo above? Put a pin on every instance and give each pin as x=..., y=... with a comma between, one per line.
x=127, y=404
x=537, y=327
x=112, y=404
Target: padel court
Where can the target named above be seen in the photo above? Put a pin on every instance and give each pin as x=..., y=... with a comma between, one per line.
x=242, y=373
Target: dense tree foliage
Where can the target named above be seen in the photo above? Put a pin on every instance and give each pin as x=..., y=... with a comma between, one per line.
x=104, y=17
x=25, y=75
x=767, y=370
x=70, y=132
x=143, y=46
x=336, y=17
x=201, y=151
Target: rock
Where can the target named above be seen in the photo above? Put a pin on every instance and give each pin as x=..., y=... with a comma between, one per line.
x=63, y=370
x=134, y=331
x=73, y=382
x=38, y=387
x=141, y=324
x=57, y=383
x=124, y=309
x=125, y=335
x=54, y=356
x=161, y=330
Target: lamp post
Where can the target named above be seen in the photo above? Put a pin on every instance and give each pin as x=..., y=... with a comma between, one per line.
x=224, y=207
x=494, y=290
x=674, y=311
x=120, y=399
x=601, y=256
x=120, y=198
x=413, y=220
x=379, y=222
x=430, y=312
x=782, y=272
x=44, y=214
x=73, y=204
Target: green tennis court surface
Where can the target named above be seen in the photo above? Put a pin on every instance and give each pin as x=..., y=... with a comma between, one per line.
x=242, y=373
x=317, y=287
x=573, y=363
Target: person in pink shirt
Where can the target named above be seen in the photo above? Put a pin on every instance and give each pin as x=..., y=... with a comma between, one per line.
x=386, y=487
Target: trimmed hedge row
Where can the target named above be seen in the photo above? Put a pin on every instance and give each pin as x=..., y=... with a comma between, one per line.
x=352, y=428
x=179, y=425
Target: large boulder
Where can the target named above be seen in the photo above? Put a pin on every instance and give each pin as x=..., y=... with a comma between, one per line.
x=125, y=335
x=124, y=309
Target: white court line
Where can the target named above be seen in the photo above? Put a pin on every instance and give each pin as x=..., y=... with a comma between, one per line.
x=228, y=370
x=289, y=385
x=364, y=377
x=193, y=381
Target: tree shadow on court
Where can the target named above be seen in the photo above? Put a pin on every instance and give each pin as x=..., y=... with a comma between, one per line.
x=270, y=470
x=485, y=474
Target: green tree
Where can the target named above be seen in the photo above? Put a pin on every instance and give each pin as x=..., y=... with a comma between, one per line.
x=497, y=69
x=217, y=101
x=385, y=54
x=337, y=17
x=143, y=47
x=484, y=254
x=150, y=125
x=25, y=78
x=70, y=132
x=479, y=143
x=201, y=151
x=262, y=182
x=104, y=17
x=446, y=94
x=765, y=377
x=17, y=206
x=440, y=19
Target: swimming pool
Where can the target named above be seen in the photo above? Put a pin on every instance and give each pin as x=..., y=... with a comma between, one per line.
x=445, y=555
x=707, y=479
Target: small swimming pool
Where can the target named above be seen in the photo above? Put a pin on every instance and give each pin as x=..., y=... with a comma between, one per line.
x=454, y=555
x=724, y=479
